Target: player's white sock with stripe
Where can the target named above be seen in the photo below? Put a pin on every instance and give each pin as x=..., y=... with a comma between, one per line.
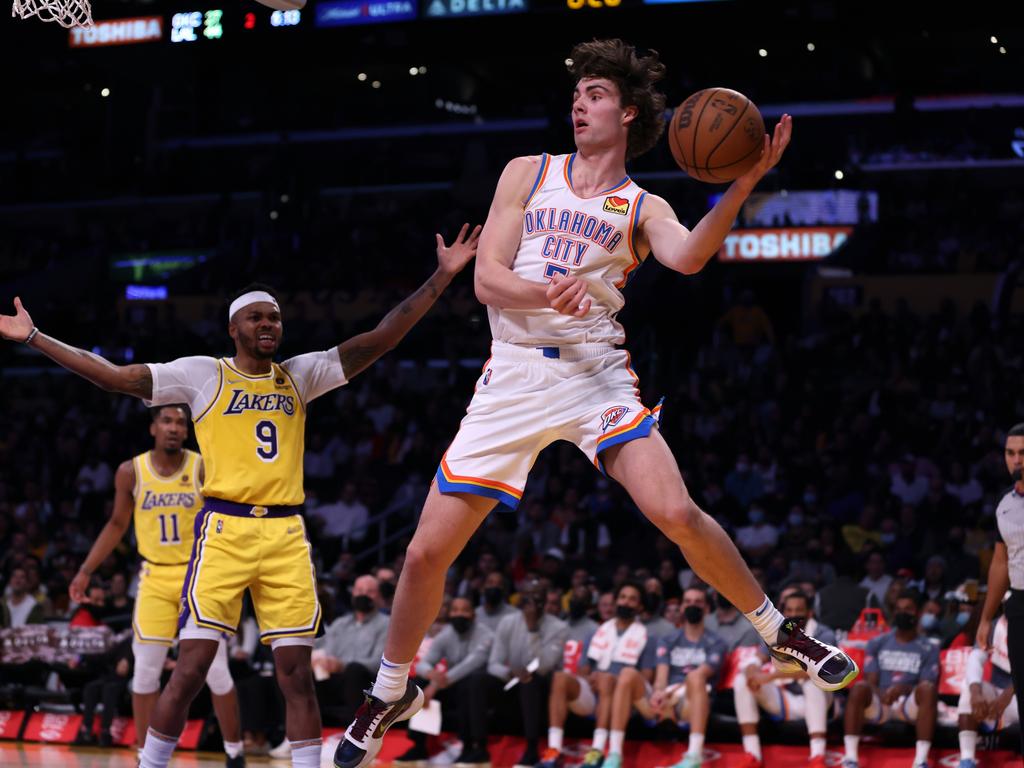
x=156, y=752
x=233, y=748
x=851, y=742
x=600, y=738
x=752, y=745
x=306, y=754
x=696, y=746
x=921, y=755
x=766, y=620
x=968, y=744
x=616, y=740
x=555, y=738
x=391, y=680
x=818, y=745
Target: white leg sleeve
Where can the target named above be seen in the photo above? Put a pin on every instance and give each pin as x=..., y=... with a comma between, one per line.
x=816, y=703
x=963, y=706
x=218, y=677
x=149, y=665
x=746, y=703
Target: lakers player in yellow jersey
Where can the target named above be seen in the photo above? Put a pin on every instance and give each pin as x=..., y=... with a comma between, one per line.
x=159, y=491
x=250, y=414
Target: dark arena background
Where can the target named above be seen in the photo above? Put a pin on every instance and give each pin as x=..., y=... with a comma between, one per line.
x=838, y=381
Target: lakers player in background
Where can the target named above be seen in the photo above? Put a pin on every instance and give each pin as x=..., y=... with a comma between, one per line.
x=563, y=235
x=159, y=491
x=249, y=414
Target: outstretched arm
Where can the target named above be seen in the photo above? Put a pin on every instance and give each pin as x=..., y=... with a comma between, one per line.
x=128, y=379
x=684, y=251
x=359, y=352
x=112, y=533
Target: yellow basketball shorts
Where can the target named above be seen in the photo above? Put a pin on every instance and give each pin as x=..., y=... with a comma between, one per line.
x=158, y=602
x=262, y=549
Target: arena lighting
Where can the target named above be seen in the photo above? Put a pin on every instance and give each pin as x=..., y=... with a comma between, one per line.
x=762, y=52
x=810, y=46
x=376, y=83
x=1002, y=49
x=839, y=175
x=273, y=215
x=413, y=71
x=361, y=77
x=423, y=70
x=105, y=92
x=993, y=39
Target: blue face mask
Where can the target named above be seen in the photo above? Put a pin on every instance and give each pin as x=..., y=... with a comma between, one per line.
x=962, y=618
x=929, y=621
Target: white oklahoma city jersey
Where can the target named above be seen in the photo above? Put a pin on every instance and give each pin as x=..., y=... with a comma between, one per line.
x=588, y=237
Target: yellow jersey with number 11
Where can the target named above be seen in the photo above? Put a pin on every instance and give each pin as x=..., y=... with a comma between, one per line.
x=165, y=509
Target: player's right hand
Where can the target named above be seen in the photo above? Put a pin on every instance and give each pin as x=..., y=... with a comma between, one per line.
x=567, y=296
x=18, y=326
x=983, y=634
x=78, y=587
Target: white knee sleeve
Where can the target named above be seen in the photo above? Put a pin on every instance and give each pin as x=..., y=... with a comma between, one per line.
x=149, y=665
x=217, y=676
x=816, y=703
x=746, y=703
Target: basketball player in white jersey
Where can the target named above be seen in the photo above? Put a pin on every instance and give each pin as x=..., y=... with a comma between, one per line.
x=159, y=491
x=562, y=238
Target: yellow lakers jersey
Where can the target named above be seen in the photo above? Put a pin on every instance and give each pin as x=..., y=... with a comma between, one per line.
x=252, y=435
x=165, y=509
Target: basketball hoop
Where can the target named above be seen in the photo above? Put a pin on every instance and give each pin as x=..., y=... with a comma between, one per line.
x=67, y=13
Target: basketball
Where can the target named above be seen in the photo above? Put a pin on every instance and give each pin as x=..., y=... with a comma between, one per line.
x=716, y=135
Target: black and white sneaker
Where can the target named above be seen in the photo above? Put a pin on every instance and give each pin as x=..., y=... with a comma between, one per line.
x=826, y=666
x=364, y=736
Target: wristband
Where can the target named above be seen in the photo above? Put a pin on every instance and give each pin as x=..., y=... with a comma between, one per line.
x=31, y=335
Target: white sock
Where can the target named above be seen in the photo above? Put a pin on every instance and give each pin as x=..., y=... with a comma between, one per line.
x=818, y=745
x=307, y=755
x=752, y=745
x=555, y=738
x=156, y=752
x=696, y=746
x=922, y=751
x=233, y=748
x=617, y=740
x=766, y=620
x=600, y=738
x=851, y=743
x=391, y=680
x=968, y=744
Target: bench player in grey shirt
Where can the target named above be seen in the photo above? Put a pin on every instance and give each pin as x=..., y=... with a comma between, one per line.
x=901, y=676
x=785, y=696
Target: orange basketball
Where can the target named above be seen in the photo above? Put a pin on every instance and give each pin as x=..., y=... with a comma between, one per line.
x=716, y=135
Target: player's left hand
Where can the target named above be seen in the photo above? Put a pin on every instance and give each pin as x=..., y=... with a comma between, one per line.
x=773, y=149
x=452, y=258
x=18, y=326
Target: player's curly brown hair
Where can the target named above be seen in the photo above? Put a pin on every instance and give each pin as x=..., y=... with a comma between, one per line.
x=635, y=77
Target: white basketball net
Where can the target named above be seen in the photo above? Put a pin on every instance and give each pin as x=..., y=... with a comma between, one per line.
x=67, y=13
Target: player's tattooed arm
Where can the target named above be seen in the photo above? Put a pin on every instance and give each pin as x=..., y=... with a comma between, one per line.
x=130, y=379
x=359, y=352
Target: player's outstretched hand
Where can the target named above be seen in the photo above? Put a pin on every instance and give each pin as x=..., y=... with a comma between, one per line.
x=18, y=326
x=773, y=149
x=452, y=258
x=568, y=295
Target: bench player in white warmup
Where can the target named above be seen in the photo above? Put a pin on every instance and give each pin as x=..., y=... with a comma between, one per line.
x=562, y=238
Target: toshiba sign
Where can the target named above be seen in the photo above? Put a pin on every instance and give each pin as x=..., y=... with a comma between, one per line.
x=788, y=244
x=141, y=29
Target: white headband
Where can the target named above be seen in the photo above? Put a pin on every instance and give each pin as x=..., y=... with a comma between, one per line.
x=251, y=298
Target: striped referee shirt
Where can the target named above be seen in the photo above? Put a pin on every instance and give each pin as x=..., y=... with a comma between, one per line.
x=1010, y=528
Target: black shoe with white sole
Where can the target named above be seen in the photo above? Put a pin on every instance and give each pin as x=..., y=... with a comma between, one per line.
x=364, y=737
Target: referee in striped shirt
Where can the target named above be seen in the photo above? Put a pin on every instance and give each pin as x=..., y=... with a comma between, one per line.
x=1007, y=568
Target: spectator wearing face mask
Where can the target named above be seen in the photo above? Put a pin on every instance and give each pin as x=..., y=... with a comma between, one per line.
x=494, y=607
x=346, y=658
x=581, y=626
x=465, y=646
x=743, y=483
x=759, y=538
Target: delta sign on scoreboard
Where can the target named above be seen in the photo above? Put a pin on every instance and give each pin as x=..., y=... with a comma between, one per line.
x=782, y=244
